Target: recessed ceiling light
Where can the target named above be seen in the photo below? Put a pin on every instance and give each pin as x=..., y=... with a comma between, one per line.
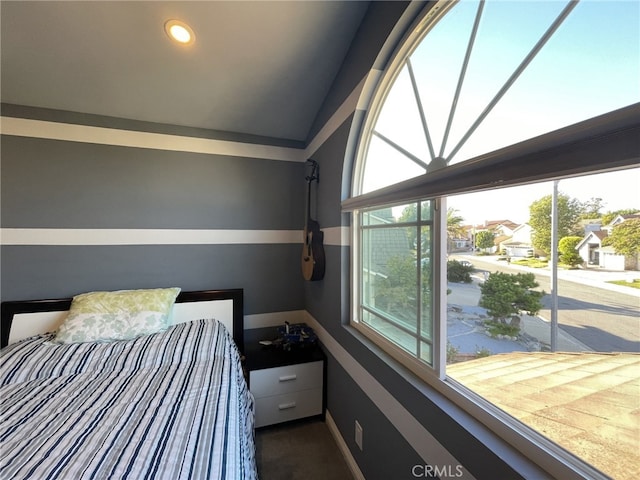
x=179, y=32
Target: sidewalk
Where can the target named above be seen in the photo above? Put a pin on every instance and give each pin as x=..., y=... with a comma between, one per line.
x=599, y=278
x=594, y=276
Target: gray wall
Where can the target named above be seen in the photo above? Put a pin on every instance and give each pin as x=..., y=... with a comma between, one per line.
x=52, y=184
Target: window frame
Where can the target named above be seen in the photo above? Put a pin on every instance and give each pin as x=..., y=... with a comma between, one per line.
x=604, y=143
x=415, y=364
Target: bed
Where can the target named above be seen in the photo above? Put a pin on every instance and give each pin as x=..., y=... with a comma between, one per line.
x=172, y=404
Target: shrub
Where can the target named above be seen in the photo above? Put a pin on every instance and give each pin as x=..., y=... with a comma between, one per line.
x=568, y=253
x=452, y=352
x=496, y=328
x=505, y=295
x=457, y=272
x=482, y=352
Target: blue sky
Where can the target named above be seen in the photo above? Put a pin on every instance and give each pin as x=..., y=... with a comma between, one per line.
x=590, y=66
x=618, y=190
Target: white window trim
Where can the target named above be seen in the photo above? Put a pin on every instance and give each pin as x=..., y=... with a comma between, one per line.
x=439, y=335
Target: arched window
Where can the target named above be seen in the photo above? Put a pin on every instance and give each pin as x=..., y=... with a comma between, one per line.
x=479, y=76
x=480, y=95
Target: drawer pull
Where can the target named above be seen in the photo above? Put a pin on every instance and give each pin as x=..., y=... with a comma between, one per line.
x=288, y=378
x=286, y=406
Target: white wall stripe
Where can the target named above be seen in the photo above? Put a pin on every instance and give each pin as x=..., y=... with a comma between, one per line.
x=337, y=236
x=334, y=236
x=369, y=85
x=425, y=444
x=339, y=116
x=23, y=127
x=76, y=236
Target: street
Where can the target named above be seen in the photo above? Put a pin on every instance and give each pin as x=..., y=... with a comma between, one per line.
x=604, y=320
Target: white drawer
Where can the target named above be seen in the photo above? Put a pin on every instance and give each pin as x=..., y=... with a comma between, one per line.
x=290, y=406
x=291, y=378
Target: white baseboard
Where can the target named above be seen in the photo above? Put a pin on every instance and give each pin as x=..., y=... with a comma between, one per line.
x=346, y=453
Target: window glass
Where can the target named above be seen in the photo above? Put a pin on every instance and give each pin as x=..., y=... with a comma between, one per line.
x=378, y=172
x=530, y=68
x=401, y=103
x=395, y=284
x=500, y=344
x=485, y=76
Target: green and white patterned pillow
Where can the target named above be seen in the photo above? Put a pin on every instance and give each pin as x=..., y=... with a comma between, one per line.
x=119, y=315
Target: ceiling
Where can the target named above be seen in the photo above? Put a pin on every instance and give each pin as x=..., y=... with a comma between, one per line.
x=259, y=68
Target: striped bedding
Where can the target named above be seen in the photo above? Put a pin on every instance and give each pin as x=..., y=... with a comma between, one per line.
x=172, y=405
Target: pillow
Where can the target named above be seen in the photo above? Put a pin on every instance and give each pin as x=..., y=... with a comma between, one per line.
x=120, y=315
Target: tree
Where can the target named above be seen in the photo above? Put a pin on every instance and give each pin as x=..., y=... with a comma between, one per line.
x=591, y=208
x=458, y=271
x=625, y=237
x=609, y=217
x=485, y=239
x=454, y=227
x=505, y=295
x=410, y=214
x=569, y=210
x=396, y=292
x=454, y=223
x=567, y=250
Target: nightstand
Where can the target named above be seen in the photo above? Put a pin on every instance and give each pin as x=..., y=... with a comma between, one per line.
x=286, y=385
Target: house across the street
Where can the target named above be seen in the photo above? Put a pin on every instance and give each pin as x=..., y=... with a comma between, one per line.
x=595, y=255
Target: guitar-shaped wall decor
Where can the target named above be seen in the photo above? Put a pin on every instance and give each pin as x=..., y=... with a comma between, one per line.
x=312, y=251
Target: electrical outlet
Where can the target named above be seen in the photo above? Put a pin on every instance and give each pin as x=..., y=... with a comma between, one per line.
x=358, y=435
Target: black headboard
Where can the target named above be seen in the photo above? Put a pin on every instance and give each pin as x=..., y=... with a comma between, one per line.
x=9, y=309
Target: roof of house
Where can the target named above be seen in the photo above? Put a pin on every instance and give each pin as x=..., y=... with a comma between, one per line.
x=521, y=227
x=490, y=224
x=502, y=238
x=588, y=403
x=621, y=219
x=599, y=236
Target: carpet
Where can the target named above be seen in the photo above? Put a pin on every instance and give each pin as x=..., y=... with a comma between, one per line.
x=303, y=450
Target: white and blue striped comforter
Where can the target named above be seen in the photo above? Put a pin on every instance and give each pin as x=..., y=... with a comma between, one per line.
x=172, y=405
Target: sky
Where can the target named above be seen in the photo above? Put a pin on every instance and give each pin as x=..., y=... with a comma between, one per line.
x=589, y=66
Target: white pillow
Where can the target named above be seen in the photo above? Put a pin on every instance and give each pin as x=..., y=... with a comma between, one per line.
x=120, y=315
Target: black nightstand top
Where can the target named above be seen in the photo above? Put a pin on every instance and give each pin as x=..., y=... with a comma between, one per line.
x=259, y=356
